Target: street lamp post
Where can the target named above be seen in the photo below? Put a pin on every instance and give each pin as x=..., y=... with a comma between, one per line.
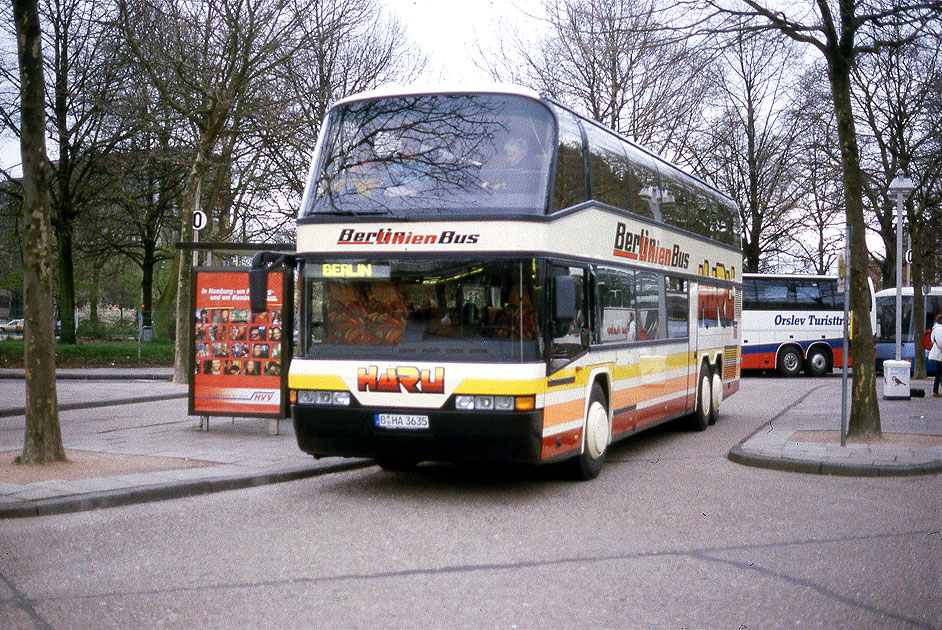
x=902, y=186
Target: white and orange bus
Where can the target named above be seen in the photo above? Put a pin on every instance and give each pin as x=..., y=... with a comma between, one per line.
x=486, y=275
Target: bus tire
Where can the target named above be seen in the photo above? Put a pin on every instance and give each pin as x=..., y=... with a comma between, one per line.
x=716, y=394
x=818, y=363
x=789, y=362
x=595, y=437
x=703, y=413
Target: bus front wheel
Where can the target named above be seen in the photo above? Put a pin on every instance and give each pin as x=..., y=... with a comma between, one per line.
x=596, y=433
x=789, y=362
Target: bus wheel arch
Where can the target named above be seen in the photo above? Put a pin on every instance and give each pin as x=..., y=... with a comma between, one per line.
x=820, y=360
x=790, y=360
x=596, y=435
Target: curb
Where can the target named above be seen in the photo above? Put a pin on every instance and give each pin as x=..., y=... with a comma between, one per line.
x=21, y=411
x=78, y=376
x=814, y=467
x=170, y=490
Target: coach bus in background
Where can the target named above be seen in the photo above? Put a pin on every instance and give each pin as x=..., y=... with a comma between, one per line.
x=885, y=330
x=487, y=275
x=793, y=323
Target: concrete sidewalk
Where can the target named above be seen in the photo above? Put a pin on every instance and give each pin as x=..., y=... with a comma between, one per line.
x=131, y=440
x=805, y=436
x=129, y=433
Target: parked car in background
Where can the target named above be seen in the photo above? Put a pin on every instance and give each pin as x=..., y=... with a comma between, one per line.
x=13, y=326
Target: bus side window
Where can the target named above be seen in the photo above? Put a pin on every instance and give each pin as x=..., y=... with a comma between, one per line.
x=644, y=193
x=750, y=297
x=609, y=168
x=647, y=304
x=569, y=187
x=617, y=315
x=675, y=199
x=678, y=308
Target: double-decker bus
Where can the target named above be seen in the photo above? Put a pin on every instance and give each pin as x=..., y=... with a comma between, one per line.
x=486, y=275
x=793, y=323
x=885, y=330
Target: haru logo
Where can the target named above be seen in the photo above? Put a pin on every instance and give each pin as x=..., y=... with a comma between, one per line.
x=403, y=378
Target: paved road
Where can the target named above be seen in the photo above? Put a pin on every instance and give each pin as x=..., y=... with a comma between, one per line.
x=672, y=534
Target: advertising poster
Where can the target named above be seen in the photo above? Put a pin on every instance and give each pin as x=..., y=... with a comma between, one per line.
x=239, y=358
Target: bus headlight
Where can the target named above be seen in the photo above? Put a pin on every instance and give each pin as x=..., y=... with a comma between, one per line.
x=494, y=403
x=323, y=397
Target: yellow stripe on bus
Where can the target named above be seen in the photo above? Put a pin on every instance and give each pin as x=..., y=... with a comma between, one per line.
x=316, y=381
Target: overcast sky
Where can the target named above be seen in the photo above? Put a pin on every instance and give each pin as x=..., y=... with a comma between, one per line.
x=449, y=31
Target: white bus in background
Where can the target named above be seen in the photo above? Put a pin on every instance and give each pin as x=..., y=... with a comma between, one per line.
x=885, y=330
x=793, y=323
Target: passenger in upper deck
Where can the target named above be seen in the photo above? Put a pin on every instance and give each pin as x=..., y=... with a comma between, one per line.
x=511, y=168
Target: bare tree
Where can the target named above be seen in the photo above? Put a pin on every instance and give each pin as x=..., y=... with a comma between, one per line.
x=43, y=440
x=613, y=60
x=818, y=238
x=81, y=78
x=750, y=148
x=842, y=32
x=209, y=61
x=894, y=96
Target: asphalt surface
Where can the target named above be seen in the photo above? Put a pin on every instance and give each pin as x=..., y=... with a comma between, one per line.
x=152, y=424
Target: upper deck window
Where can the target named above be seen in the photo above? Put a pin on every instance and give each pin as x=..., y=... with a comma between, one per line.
x=434, y=154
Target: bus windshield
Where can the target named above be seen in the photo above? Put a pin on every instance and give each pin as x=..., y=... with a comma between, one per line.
x=421, y=310
x=886, y=318
x=434, y=154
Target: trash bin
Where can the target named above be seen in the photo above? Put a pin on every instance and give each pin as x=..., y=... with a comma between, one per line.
x=896, y=380
x=147, y=335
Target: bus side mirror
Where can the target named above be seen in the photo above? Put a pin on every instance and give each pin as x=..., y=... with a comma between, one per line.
x=258, y=289
x=564, y=307
x=262, y=263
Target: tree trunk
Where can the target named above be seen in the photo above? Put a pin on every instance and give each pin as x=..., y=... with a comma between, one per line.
x=66, y=277
x=64, y=216
x=147, y=283
x=919, y=303
x=191, y=203
x=93, y=323
x=43, y=439
x=864, y=411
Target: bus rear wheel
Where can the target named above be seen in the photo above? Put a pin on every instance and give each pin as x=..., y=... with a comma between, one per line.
x=703, y=415
x=818, y=363
x=716, y=394
x=789, y=362
x=596, y=435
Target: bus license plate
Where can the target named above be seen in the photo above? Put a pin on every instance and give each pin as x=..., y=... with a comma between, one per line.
x=401, y=421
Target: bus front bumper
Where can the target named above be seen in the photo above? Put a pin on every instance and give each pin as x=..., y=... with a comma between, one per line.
x=450, y=436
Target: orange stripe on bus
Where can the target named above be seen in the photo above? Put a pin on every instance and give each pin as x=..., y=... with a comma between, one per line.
x=563, y=412
x=641, y=393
